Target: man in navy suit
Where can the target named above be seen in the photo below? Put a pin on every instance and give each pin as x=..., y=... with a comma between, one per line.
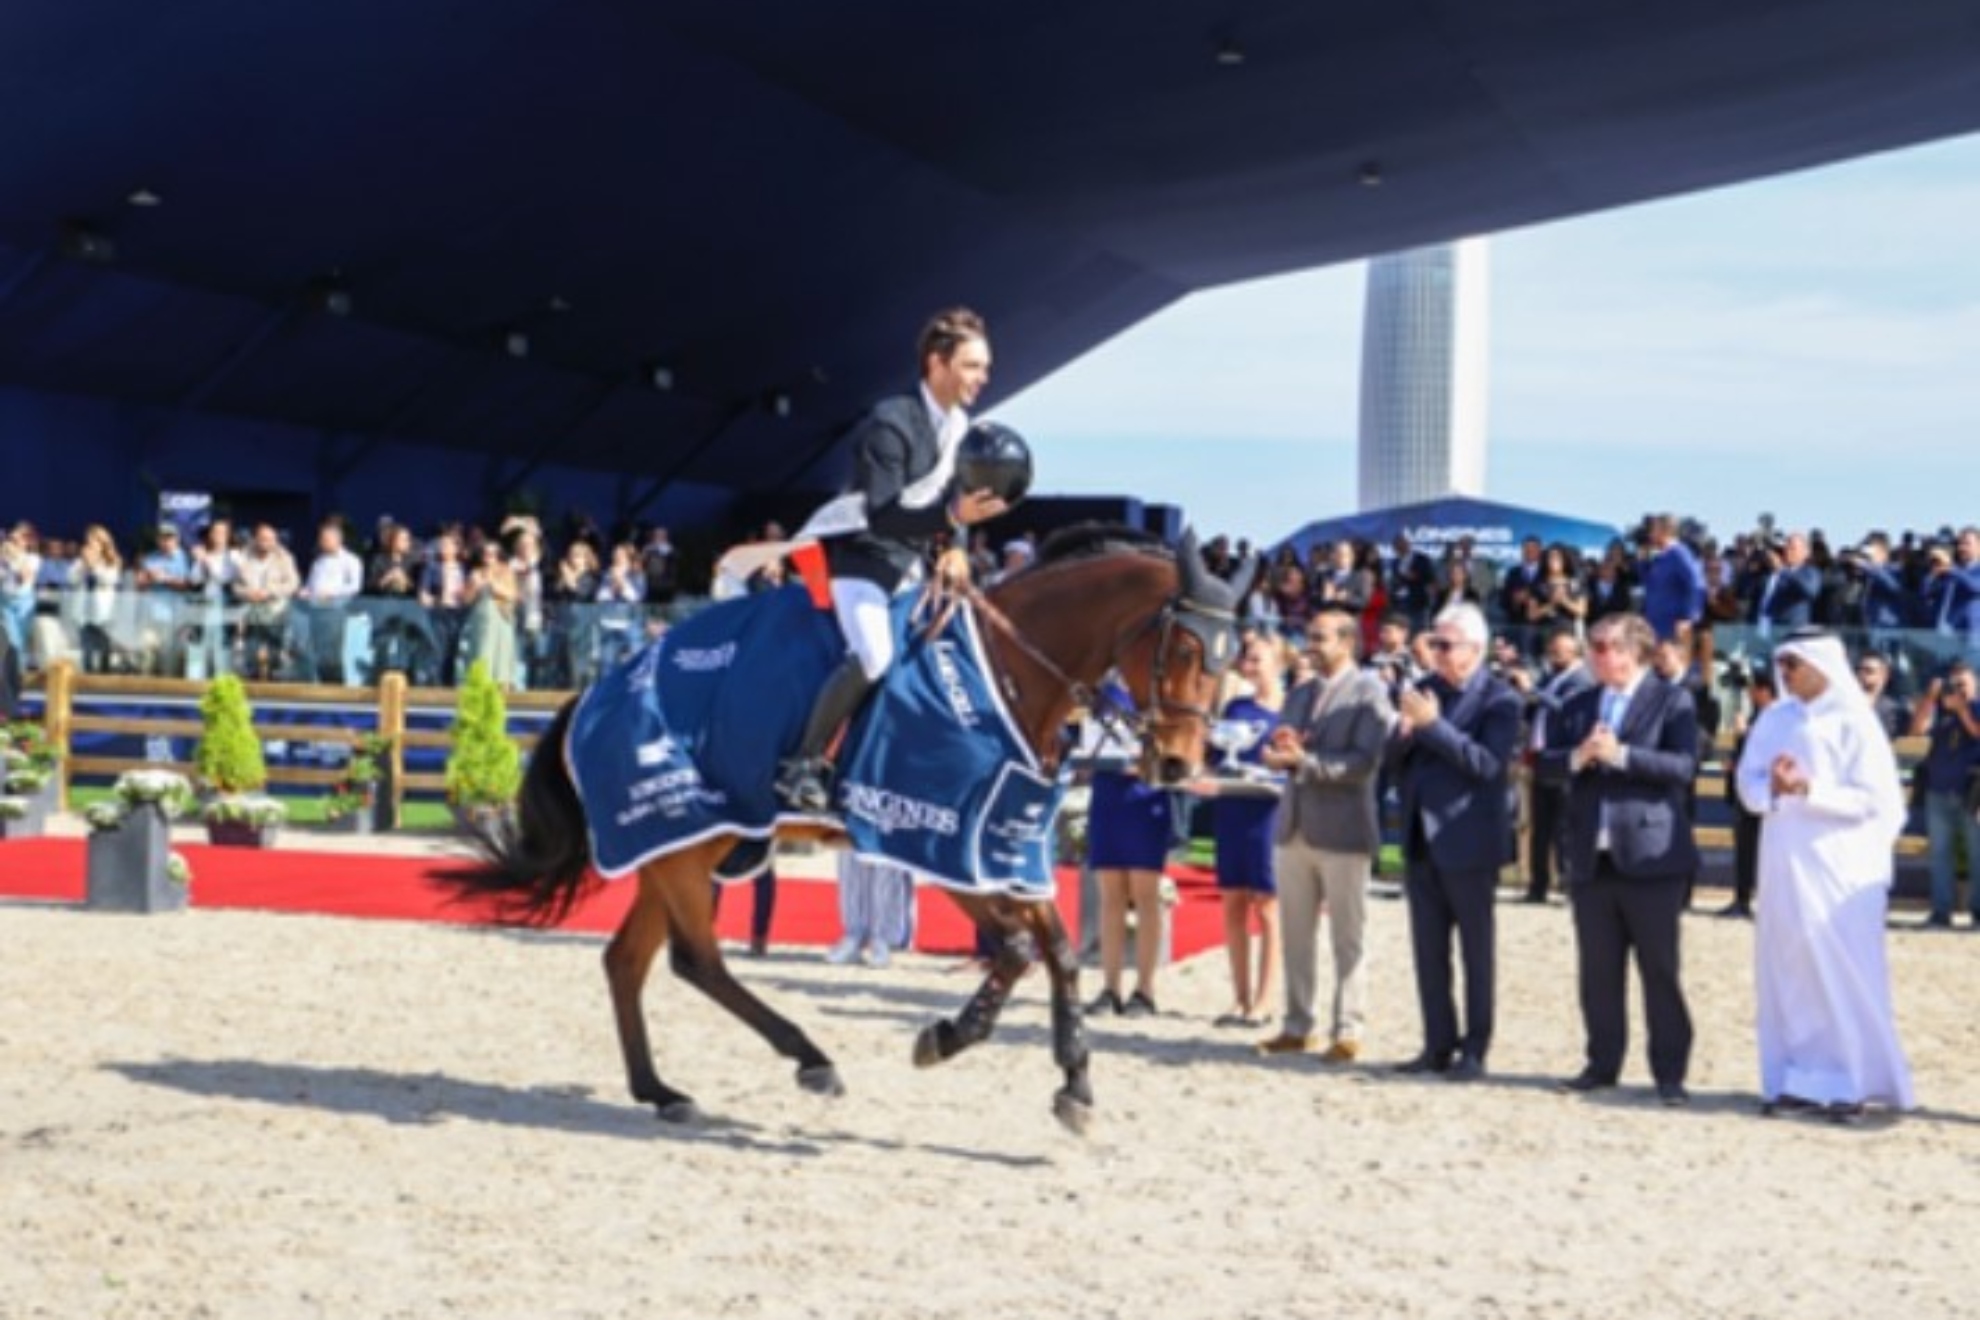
x=1564, y=677
x=1452, y=750
x=1784, y=598
x=1627, y=749
x=1673, y=580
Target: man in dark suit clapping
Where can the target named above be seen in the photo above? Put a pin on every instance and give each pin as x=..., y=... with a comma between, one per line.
x=1627, y=750
x=1453, y=749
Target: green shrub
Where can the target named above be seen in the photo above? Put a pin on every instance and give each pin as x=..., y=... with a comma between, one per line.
x=484, y=769
x=229, y=758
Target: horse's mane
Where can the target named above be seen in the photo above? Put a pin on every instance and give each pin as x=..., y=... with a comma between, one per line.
x=1090, y=540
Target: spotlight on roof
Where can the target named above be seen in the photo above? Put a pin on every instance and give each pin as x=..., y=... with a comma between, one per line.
x=144, y=198
x=82, y=242
x=660, y=376
x=330, y=295
x=557, y=303
x=515, y=343
x=1370, y=174
x=780, y=404
x=1229, y=54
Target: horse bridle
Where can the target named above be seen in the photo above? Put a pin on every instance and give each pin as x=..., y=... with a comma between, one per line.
x=1213, y=628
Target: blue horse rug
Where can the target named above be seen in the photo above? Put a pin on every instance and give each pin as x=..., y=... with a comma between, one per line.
x=682, y=740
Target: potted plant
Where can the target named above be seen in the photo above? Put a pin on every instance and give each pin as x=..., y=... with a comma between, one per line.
x=244, y=820
x=230, y=764
x=18, y=819
x=130, y=856
x=484, y=766
x=358, y=803
x=28, y=766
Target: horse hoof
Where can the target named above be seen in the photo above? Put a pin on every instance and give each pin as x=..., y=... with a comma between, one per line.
x=1074, y=1114
x=821, y=1079
x=680, y=1113
x=927, y=1048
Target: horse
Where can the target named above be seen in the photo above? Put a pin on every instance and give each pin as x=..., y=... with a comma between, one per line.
x=1096, y=601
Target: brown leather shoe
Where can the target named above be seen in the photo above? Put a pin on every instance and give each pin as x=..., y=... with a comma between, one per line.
x=1286, y=1043
x=1342, y=1051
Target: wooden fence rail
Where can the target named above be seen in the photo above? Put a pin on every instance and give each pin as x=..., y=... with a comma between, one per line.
x=388, y=706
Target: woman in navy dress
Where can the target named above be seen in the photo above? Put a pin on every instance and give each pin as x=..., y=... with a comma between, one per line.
x=1242, y=828
x=1130, y=829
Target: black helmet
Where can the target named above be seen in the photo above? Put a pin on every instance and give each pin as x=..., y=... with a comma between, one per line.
x=995, y=458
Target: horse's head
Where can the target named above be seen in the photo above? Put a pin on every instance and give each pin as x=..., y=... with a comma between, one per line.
x=1176, y=662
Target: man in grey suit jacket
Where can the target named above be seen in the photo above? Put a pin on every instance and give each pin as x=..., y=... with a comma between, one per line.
x=1627, y=750
x=1329, y=745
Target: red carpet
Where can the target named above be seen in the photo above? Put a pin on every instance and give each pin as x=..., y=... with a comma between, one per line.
x=400, y=888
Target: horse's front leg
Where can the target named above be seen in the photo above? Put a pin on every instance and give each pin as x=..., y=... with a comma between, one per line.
x=947, y=1038
x=1073, y=1104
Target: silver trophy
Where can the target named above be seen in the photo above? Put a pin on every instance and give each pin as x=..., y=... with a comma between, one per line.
x=1233, y=738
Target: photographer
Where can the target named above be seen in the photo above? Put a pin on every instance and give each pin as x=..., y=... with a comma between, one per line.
x=1950, y=713
x=1785, y=594
x=1883, y=606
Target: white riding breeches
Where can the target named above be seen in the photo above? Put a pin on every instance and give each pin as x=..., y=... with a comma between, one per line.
x=867, y=621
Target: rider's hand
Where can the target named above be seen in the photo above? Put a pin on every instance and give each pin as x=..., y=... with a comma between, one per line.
x=974, y=507
x=952, y=568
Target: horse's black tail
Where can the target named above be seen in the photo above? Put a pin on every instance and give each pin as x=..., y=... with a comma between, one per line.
x=534, y=863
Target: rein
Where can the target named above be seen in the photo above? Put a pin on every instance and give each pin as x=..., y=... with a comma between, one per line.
x=1117, y=722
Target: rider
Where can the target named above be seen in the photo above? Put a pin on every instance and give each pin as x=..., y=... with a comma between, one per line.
x=879, y=535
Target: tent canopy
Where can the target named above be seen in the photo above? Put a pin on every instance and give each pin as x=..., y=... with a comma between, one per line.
x=1496, y=530
x=692, y=240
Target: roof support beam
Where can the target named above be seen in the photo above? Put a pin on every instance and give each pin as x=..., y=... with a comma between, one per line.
x=637, y=502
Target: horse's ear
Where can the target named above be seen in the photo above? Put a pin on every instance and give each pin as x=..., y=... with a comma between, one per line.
x=1189, y=565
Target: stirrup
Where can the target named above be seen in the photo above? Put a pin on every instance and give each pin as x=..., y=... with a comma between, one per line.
x=805, y=785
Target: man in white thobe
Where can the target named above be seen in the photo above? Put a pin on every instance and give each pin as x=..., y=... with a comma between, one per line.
x=1819, y=771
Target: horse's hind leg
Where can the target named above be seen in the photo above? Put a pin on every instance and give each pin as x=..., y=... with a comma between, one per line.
x=697, y=959
x=628, y=958
x=1073, y=1104
x=943, y=1040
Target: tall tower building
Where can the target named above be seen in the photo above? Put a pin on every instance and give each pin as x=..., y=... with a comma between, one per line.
x=1423, y=376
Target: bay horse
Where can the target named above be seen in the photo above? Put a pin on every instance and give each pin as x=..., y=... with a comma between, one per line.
x=1097, y=600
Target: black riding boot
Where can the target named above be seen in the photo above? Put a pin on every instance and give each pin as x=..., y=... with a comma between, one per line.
x=805, y=781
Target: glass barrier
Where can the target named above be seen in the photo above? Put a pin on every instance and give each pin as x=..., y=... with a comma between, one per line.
x=563, y=645
x=568, y=643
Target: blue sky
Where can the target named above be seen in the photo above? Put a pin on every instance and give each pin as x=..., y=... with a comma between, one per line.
x=1807, y=345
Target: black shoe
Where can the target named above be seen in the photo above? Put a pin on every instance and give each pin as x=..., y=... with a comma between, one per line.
x=1585, y=1081
x=1672, y=1095
x=748, y=858
x=1467, y=1068
x=1105, y=1004
x=1532, y=897
x=1738, y=910
x=805, y=785
x=1425, y=1062
x=1140, y=1005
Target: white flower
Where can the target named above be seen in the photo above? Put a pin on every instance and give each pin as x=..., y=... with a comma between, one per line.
x=104, y=815
x=168, y=791
x=178, y=870
x=247, y=808
x=13, y=808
